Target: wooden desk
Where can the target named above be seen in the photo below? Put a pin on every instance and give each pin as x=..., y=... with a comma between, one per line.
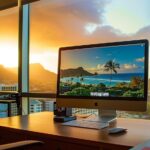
x=40, y=126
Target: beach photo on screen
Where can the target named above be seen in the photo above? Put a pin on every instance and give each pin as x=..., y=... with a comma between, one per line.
x=113, y=71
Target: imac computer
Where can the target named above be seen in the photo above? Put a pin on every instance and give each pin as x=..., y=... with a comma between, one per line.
x=108, y=77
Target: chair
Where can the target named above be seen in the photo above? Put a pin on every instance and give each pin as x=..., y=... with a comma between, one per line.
x=21, y=145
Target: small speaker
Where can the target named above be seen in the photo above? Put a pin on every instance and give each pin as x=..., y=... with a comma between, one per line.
x=62, y=114
x=62, y=111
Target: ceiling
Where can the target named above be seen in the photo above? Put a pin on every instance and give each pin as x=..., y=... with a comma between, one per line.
x=4, y=4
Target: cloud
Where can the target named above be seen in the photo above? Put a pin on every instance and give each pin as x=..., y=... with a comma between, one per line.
x=63, y=23
x=85, y=10
x=97, y=57
x=90, y=28
x=140, y=59
x=129, y=66
x=144, y=33
x=99, y=68
x=59, y=23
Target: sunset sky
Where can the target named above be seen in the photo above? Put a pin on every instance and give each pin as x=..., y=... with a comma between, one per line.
x=57, y=23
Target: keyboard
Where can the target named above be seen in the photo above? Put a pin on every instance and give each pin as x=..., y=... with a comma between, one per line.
x=86, y=124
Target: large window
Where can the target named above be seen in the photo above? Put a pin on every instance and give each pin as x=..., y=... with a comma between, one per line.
x=55, y=24
x=73, y=22
x=8, y=57
x=76, y=22
x=9, y=49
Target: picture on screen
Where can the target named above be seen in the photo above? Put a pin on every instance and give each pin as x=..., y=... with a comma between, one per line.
x=111, y=71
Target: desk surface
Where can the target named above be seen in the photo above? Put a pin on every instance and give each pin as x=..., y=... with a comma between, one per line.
x=138, y=130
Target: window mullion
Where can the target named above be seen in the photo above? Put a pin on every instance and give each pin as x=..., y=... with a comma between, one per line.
x=23, y=53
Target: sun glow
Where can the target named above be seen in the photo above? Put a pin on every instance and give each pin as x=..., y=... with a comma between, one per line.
x=9, y=53
x=49, y=60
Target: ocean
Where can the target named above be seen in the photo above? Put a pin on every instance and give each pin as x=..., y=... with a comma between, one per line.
x=103, y=78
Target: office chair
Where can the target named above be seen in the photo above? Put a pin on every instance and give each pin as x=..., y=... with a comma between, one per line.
x=21, y=145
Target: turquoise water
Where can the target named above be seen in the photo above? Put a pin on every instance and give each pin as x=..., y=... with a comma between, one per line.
x=103, y=78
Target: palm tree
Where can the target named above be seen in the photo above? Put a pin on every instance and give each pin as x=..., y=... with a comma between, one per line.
x=81, y=79
x=111, y=66
x=71, y=79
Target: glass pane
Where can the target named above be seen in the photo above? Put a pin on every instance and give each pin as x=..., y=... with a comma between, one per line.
x=76, y=22
x=3, y=110
x=40, y=104
x=9, y=49
x=8, y=58
x=8, y=107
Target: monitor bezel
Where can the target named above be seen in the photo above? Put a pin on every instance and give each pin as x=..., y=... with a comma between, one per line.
x=142, y=41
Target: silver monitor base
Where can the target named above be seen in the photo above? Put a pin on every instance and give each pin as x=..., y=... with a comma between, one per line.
x=107, y=116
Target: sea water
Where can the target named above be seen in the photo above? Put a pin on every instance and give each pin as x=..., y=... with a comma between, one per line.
x=103, y=78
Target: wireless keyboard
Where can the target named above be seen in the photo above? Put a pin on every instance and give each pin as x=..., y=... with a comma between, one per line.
x=87, y=124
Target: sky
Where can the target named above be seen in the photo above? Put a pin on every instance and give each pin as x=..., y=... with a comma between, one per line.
x=58, y=23
x=94, y=59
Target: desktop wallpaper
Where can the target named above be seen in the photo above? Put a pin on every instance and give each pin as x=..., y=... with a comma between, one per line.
x=113, y=71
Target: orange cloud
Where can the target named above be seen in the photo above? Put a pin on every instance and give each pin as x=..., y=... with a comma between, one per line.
x=60, y=23
x=9, y=24
x=63, y=23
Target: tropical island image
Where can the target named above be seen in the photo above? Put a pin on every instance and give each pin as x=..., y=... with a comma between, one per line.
x=116, y=71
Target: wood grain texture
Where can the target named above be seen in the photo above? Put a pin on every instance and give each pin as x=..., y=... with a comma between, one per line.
x=41, y=126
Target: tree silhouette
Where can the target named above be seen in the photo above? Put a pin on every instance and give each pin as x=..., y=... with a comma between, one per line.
x=81, y=78
x=71, y=79
x=111, y=66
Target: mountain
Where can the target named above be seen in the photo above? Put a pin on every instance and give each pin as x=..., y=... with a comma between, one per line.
x=75, y=72
x=41, y=80
x=7, y=76
x=13, y=70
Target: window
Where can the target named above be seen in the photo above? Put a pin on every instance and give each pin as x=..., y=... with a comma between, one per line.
x=9, y=49
x=40, y=104
x=8, y=56
x=55, y=24
x=67, y=22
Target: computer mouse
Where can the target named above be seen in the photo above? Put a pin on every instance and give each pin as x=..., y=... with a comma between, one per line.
x=116, y=130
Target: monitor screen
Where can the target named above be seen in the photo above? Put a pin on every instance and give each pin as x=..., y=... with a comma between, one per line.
x=104, y=71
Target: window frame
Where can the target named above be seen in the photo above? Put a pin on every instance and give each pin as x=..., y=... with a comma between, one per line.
x=23, y=62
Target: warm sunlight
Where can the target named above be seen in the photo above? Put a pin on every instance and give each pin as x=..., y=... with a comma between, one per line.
x=9, y=53
x=48, y=59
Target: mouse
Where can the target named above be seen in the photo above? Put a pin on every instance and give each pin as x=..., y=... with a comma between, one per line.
x=116, y=130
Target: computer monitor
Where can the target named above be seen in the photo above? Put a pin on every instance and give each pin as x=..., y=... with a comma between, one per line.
x=109, y=76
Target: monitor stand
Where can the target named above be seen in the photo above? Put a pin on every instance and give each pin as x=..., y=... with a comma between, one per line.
x=105, y=116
